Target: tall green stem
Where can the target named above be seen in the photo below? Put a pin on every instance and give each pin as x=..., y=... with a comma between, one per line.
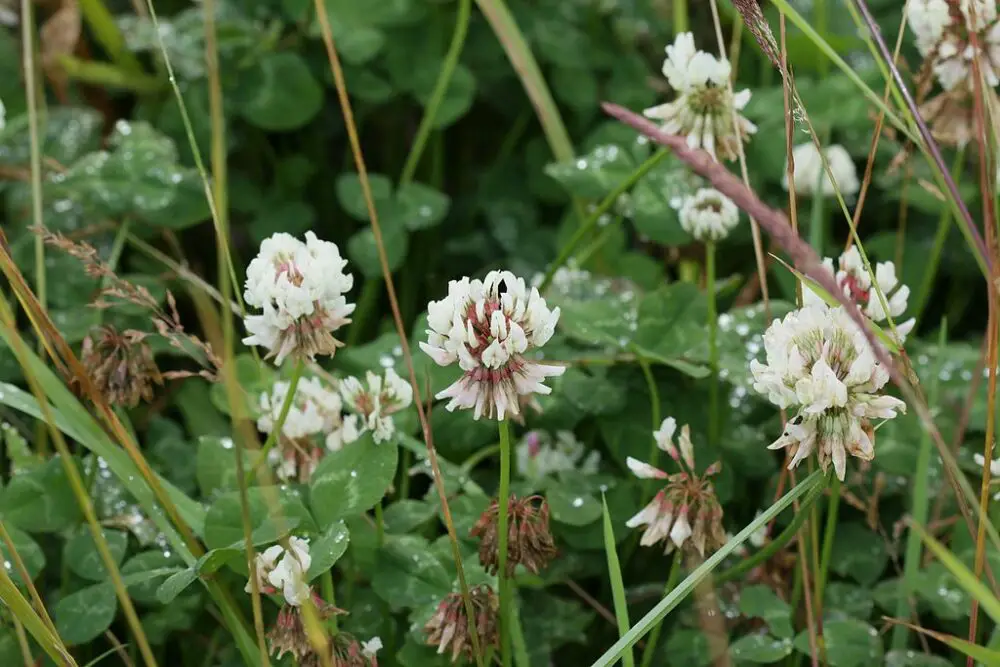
x=650, y=651
x=713, y=347
x=503, y=502
x=919, y=509
x=828, y=535
x=286, y=406
x=680, y=16
x=440, y=88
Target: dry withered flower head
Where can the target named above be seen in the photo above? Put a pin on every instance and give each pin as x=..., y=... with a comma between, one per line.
x=289, y=634
x=529, y=541
x=121, y=365
x=450, y=625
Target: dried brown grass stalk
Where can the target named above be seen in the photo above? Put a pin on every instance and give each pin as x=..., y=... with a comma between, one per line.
x=117, y=290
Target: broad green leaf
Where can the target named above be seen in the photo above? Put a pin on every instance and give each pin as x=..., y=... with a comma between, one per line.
x=350, y=481
x=224, y=522
x=594, y=393
x=594, y=175
x=85, y=614
x=148, y=561
x=40, y=500
x=404, y=516
x=363, y=251
x=421, y=206
x=760, y=601
x=175, y=584
x=287, y=95
x=858, y=553
x=574, y=509
x=351, y=195
x=849, y=643
x=760, y=649
x=83, y=558
x=408, y=575
x=215, y=465
x=458, y=96
x=68, y=133
x=327, y=549
x=27, y=549
x=911, y=658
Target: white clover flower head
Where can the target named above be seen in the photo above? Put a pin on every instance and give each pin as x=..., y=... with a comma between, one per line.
x=856, y=283
x=709, y=215
x=704, y=108
x=315, y=409
x=809, y=172
x=994, y=470
x=541, y=455
x=371, y=647
x=488, y=326
x=277, y=569
x=819, y=362
x=300, y=288
x=928, y=20
x=944, y=38
x=686, y=494
x=316, y=412
x=378, y=401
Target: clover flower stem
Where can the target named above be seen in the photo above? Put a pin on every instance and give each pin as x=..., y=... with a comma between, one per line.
x=817, y=217
x=272, y=437
x=828, y=536
x=919, y=508
x=654, y=408
x=713, y=347
x=503, y=496
x=680, y=16
x=329, y=596
x=654, y=636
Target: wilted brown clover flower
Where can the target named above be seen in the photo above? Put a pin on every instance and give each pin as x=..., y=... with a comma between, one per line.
x=121, y=365
x=686, y=494
x=450, y=625
x=529, y=541
x=289, y=634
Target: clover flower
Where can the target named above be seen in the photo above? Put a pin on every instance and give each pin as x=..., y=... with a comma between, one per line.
x=857, y=285
x=289, y=634
x=704, y=108
x=994, y=470
x=686, y=494
x=349, y=652
x=809, y=173
x=277, y=569
x=488, y=326
x=449, y=626
x=300, y=288
x=540, y=455
x=944, y=32
x=709, y=215
x=315, y=412
x=820, y=364
x=377, y=402
x=529, y=541
x=121, y=365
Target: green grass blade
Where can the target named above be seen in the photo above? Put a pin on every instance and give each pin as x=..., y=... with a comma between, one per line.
x=664, y=606
x=982, y=654
x=617, y=584
x=966, y=579
x=21, y=609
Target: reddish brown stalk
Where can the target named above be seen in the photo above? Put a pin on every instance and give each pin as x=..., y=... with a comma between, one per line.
x=989, y=223
x=352, y=133
x=876, y=137
x=776, y=224
x=925, y=133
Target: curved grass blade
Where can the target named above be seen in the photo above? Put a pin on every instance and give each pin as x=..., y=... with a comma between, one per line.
x=617, y=584
x=664, y=606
